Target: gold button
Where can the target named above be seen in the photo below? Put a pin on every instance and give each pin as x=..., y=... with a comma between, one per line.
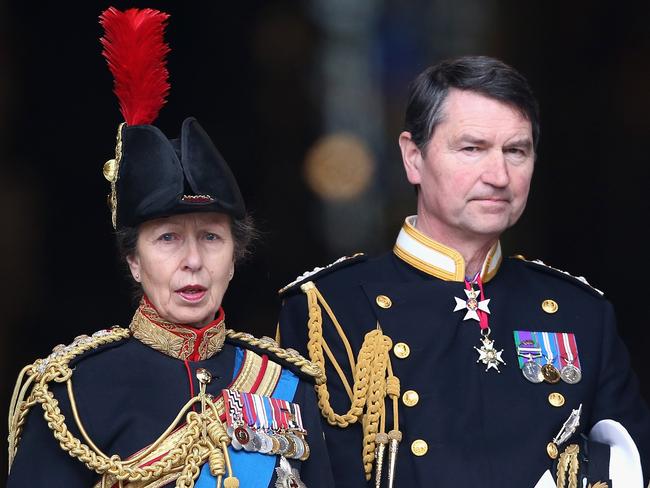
x=402, y=350
x=551, y=450
x=419, y=447
x=410, y=398
x=549, y=306
x=556, y=399
x=383, y=301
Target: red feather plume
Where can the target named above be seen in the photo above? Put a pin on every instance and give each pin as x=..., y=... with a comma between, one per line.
x=135, y=50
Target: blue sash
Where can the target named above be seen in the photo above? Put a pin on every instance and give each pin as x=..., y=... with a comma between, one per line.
x=253, y=469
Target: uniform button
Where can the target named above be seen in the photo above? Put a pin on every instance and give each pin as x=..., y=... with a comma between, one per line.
x=549, y=306
x=419, y=447
x=402, y=350
x=556, y=399
x=383, y=301
x=410, y=398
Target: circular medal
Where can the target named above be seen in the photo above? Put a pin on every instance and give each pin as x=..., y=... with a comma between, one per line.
x=292, y=449
x=284, y=444
x=275, y=443
x=249, y=446
x=241, y=435
x=305, y=456
x=571, y=374
x=532, y=372
x=267, y=444
x=299, y=445
x=256, y=442
x=550, y=373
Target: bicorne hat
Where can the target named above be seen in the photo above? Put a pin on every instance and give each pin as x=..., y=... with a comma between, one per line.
x=152, y=176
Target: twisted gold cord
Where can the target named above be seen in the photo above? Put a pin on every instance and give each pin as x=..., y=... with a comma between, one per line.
x=371, y=384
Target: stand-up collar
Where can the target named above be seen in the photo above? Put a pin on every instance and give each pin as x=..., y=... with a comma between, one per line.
x=431, y=257
x=178, y=341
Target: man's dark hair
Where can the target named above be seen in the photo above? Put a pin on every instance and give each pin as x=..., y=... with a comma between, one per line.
x=481, y=74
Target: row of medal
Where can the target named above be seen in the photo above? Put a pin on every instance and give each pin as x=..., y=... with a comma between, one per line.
x=548, y=356
x=257, y=423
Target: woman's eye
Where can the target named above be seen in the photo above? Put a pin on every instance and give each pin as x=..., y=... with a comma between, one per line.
x=211, y=236
x=167, y=237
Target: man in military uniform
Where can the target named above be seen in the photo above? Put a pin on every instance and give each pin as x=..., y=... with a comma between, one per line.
x=448, y=364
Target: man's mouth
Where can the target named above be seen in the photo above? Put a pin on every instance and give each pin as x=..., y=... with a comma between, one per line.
x=192, y=293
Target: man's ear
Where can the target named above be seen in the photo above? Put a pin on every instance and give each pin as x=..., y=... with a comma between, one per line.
x=133, y=260
x=411, y=158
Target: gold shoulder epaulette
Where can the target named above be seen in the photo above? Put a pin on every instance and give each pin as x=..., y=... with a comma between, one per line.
x=52, y=368
x=580, y=279
x=288, y=355
x=343, y=261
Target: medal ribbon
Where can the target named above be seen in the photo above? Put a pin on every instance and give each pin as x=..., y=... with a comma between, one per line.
x=550, y=345
x=268, y=408
x=483, y=317
x=525, y=351
x=298, y=415
x=568, y=349
x=261, y=413
x=249, y=409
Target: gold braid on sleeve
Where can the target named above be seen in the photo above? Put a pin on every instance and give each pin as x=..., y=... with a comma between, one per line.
x=202, y=438
x=373, y=379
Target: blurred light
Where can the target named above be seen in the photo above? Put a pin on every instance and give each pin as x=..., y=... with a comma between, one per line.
x=339, y=167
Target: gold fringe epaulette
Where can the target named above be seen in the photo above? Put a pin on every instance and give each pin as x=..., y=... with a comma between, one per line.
x=288, y=355
x=54, y=367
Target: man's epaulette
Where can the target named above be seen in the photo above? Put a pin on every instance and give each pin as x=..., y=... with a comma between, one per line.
x=317, y=272
x=288, y=358
x=541, y=265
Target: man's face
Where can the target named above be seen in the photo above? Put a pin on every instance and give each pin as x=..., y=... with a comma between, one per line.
x=475, y=174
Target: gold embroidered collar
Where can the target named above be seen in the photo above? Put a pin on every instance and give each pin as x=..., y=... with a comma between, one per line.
x=178, y=341
x=436, y=259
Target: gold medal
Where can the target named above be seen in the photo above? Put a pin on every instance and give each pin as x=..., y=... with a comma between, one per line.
x=550, y=373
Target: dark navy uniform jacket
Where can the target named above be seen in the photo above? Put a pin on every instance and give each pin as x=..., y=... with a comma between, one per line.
x=127, y=394
x=479, y=428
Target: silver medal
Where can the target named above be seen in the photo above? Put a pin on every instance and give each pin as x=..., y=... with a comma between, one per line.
x=570, y=374
x=266, y=443
x=532, y=372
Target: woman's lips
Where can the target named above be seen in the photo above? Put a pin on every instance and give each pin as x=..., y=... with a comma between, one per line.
x=192, y=293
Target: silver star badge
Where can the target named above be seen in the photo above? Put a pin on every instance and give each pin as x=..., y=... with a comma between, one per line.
x=489, y=355
x=288, y=477
x=472, y=304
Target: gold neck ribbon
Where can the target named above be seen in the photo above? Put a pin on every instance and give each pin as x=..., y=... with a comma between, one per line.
x=436, y=259
x=178, y=341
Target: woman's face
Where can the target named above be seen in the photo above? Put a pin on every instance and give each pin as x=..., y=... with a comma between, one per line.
x=184, y=264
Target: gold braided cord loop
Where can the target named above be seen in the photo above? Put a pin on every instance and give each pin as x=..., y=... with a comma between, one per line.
x=371, y=384
x=52, y=368
x=202, y=438
x=266, y=343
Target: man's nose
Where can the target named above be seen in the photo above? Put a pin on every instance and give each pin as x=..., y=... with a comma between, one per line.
x=192, y=261
x=495, y=172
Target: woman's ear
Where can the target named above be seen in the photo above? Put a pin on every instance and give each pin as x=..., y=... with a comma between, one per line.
x=232, y=271
x=133, y=260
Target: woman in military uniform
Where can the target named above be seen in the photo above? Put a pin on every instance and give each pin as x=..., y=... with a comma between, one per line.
x=175, y=399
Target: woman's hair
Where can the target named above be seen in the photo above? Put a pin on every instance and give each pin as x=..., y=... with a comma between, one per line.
x=243, y=231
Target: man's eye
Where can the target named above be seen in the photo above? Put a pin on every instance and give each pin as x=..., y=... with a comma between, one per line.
x=471, y=149
x=167, y=237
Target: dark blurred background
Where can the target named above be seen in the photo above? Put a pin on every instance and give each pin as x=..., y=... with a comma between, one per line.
x=305, y=101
